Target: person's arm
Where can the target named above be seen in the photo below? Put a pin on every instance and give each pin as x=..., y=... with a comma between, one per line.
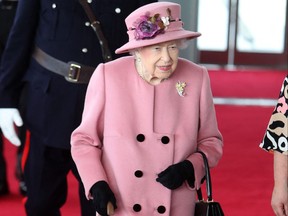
x=14, y=62
x=17, y=53
x=279, y=200
x=210, y=140
x=86, y=139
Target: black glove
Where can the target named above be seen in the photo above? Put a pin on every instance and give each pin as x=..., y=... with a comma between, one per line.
x=174, y=176
x=102, y=194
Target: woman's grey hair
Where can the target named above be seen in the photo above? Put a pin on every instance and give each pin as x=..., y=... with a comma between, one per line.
x=183, y=43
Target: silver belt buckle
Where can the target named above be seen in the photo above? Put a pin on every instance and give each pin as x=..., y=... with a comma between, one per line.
x=74, y=73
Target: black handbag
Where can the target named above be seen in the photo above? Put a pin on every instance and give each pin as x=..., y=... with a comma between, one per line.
x=207, y=207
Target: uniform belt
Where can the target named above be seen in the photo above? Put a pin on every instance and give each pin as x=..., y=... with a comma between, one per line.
x=72, y=71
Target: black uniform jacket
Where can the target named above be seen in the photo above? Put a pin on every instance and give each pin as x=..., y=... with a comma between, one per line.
x=61, y=29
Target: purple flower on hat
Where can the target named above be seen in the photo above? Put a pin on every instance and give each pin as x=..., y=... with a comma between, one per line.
x=148, y=27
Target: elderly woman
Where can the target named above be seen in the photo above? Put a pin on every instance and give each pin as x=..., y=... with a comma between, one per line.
x=144, y=120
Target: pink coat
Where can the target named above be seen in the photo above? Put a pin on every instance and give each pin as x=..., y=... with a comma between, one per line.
x=131, y=131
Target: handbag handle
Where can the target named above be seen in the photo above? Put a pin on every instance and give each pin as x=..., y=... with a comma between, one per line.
x=208, y=180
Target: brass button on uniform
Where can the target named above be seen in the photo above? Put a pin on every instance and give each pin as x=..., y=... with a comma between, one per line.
x=84, y=50
x=54, y=6
x=138, y=173
x=161, y=209
x=140, y=138
x=137, y=207
x=165, y=140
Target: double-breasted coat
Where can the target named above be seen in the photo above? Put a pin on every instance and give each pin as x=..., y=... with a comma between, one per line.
x=131, y=131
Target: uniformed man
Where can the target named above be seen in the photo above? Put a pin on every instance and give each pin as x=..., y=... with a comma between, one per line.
x=7, y=13
x=47, y=35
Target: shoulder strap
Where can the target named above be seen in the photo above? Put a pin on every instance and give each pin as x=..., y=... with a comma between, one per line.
x=95, y=24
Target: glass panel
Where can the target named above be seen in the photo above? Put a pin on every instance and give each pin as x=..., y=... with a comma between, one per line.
x=261, y=26
x=213, y=21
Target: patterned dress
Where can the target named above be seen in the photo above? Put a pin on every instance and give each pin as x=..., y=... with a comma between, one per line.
x=275, y=138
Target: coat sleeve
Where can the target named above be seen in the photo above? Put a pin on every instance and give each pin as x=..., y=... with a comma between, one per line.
x=210, y=140
x=86, y=140
x=17, y=51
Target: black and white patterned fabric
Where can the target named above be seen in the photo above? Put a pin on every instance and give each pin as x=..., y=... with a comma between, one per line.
x=275, y=138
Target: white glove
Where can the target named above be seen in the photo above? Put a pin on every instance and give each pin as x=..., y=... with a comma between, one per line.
x=9, y=117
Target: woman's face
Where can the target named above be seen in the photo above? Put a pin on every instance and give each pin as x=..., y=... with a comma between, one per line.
x=157, y=62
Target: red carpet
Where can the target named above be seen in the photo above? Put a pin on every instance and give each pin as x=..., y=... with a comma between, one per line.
x=246, y=84
x=243, y=180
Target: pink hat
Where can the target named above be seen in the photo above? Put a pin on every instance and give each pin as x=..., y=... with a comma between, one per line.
x=155, y=23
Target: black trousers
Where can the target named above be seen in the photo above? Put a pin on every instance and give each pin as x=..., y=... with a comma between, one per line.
x=46, y=179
